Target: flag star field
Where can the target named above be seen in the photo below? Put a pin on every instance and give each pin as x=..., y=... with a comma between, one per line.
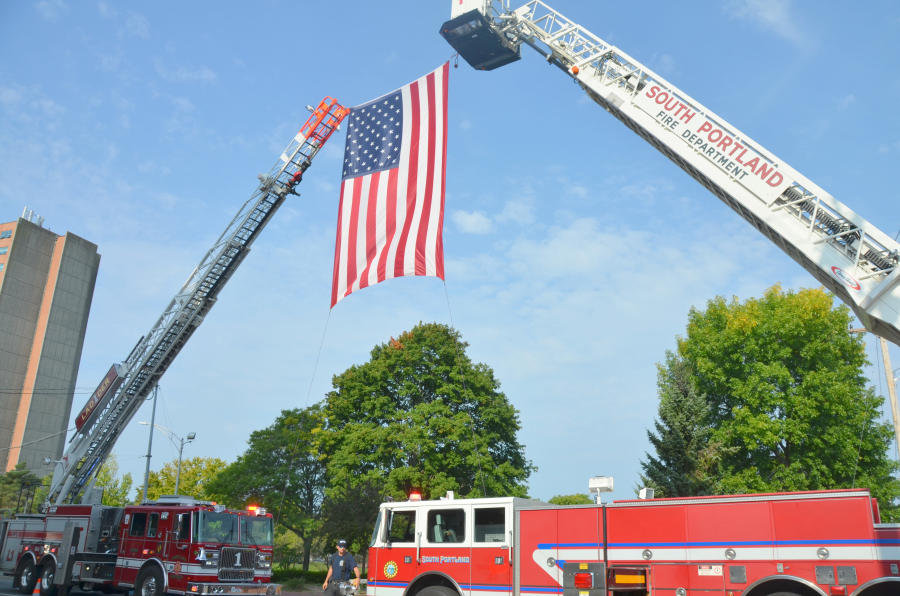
x=374, y=133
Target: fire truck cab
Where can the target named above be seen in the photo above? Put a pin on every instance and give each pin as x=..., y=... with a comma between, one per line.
x=822, y=543
x=173, y=545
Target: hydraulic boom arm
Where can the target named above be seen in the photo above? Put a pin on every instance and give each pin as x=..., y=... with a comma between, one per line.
x=844, y=252
x=103, y=419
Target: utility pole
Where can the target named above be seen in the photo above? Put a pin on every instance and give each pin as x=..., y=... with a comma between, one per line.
x=892, y=388
x=150, y=444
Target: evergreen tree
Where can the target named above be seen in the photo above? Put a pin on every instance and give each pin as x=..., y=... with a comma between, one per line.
x=680, y=440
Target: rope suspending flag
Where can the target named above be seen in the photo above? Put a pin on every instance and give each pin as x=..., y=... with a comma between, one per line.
x=391, y=215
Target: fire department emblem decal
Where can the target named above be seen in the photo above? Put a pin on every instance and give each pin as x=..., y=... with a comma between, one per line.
x=390, y=569
x=177, y=568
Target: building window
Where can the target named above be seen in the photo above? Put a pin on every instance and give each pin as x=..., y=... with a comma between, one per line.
x=1, y=266
x=5, y=234
x=4, y=250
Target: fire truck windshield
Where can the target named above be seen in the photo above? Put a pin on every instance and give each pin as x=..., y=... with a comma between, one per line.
x=256, y=531
x=210, y=526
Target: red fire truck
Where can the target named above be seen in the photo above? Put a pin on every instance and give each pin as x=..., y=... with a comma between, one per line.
x=173, y=545
x=824, y=543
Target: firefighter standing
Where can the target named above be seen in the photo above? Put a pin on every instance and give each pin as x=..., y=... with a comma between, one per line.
x=339, y=571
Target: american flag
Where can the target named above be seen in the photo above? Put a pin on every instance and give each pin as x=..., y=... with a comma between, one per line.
x=391, y=216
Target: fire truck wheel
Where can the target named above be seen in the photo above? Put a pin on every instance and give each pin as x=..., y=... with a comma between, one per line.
x=437, y=591
x=149, y=582
x=27, y=578
x=47, y=586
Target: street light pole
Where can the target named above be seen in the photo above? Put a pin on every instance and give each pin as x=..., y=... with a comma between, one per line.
x=150, y=444
x=180, y=444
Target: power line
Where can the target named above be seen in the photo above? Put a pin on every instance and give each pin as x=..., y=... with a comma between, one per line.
x=36, y=441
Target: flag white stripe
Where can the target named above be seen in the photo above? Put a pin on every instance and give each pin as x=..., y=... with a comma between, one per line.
x=402, y=180
x=436, y=189
x=380, y=226
x=346, y=205
x=360, y=231
x=409, y=258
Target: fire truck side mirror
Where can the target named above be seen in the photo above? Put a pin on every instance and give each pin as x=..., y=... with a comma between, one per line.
x=386, y=534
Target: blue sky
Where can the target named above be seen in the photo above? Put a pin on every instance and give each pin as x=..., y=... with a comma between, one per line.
x=574, y=250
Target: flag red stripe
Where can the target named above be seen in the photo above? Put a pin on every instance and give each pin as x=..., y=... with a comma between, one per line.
x=371, y=231
x=413, y=175
x=439, y=249
x=422, y=236
x=351, y=244
x=337, y=250
x=390, y=222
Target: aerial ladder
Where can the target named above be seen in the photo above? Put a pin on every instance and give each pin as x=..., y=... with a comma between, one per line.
x=844, y=252
x=123, y=390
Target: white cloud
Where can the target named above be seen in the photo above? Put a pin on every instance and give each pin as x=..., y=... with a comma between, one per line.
x=167, y=199
x=9, y=96
x=137, y=24
x=50, y=107
x=664, y=63
x=182, y=74
x=774, y=15
x=51, y=9
x=472, y=223
x=465, y=124
x=183, y=104
x=149, y=167
x=520, y=211
x=846, y=102
x=890, y=147
x=107, y=10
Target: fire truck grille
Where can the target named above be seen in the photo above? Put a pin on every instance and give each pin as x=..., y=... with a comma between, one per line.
x=237, y=564
x=235, y=575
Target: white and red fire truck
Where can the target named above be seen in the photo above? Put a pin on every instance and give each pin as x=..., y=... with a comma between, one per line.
x=173, y=545
x=825, y=543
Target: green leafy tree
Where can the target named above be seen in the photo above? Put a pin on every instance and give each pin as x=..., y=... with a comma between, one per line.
x=680, y=467
x=115, y=489
x=349, y=514
x=789, y=407
x=281, y=470
x=17, y=487
x=195, y=474
x=578, y=499
x=404, y=422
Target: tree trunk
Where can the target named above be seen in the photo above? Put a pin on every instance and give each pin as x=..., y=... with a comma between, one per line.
x=307, y=549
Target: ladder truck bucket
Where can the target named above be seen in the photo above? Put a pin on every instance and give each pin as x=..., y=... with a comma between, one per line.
x=481, y=45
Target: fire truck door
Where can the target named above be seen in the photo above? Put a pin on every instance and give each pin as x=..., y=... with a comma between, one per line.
x=154, y=538
x=395, y=563
x=446, y=544
x=134, y=527
x=491, y=554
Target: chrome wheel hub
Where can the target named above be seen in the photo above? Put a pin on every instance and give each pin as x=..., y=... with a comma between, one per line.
x=149, y=587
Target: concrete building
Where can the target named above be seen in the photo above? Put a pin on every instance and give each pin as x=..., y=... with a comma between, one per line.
x=46, y=287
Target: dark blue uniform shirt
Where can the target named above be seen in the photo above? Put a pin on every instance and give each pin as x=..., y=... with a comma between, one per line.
x=342, y=567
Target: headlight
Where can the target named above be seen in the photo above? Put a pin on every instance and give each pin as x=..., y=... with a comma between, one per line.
x=264, y=560
x=208, y=558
